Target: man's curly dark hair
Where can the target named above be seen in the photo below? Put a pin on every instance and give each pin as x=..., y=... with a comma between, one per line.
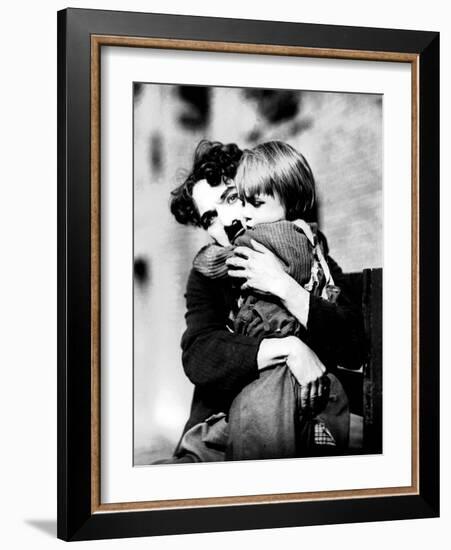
x=213, y=161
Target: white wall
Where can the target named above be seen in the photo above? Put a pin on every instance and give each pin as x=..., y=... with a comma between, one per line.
x=28, y=274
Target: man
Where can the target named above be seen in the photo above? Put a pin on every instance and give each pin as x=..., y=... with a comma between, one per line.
x=218, y=362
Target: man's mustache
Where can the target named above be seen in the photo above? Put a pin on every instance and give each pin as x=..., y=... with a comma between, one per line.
x=233, y=230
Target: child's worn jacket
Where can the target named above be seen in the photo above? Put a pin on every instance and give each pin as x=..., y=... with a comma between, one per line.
x=297, y=247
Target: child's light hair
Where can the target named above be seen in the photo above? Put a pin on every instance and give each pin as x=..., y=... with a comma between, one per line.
x=275, y=168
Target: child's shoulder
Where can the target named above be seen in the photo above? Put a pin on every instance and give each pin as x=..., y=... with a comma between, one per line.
x=210, y=260
x=277, y=236
x=277, y=228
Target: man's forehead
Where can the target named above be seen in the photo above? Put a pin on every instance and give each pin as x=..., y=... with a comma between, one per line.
x=206, y=196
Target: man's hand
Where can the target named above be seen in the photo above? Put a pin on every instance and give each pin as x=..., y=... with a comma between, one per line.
x=310, y=374
x=263, y=272
x=303, y=363
x=261, y=268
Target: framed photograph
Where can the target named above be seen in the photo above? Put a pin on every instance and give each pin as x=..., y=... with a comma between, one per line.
x=248, y=274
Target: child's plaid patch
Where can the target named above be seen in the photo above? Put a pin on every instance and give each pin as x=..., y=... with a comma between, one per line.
x=323, y=435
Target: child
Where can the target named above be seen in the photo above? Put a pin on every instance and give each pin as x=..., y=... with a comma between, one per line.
x=277, y=187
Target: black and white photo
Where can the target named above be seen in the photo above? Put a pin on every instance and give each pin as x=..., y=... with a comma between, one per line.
x=257, y=251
